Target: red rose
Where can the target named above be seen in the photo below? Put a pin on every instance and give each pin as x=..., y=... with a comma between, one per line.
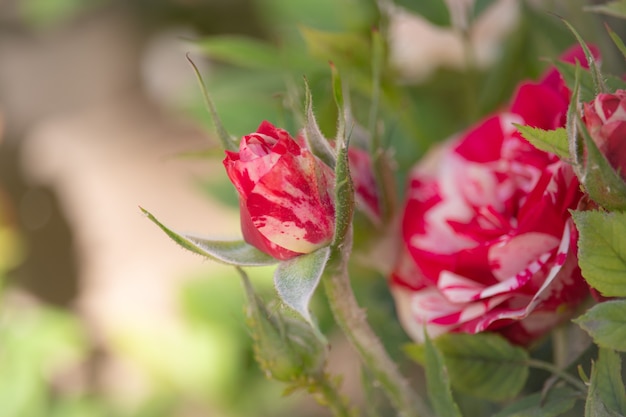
x=286, y=193
x=488, y=239
x=605, y=118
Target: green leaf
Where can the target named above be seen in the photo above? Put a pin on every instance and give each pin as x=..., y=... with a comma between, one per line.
x=484, y=365
x=606, y=396
x=438, y=382
x=553, y=141
x=609, y=383
x=296, y=280
x=616, y=40
x=614, y=8
x=555, y=403
x=570, y=73
x=602, y=250
x=606, y=324
x=237, y=253
x=587, y=88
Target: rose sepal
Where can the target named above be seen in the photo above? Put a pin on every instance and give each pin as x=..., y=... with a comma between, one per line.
x=313, y=136
x=603, y=184
x=228, y=142
x=344, y=187
x=598, y=80
x=229, y=252
x=297, y=278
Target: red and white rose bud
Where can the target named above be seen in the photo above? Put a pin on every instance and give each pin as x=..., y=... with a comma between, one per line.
x=605, y=118
x=285, y=193
x=489, y=244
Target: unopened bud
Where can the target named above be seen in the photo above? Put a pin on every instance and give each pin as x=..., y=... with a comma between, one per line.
x=286, y=347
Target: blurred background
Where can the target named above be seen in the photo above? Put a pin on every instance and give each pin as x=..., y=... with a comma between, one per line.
x=100, y=112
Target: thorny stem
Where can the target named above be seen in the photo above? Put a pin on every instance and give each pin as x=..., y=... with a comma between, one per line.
x=352, y=320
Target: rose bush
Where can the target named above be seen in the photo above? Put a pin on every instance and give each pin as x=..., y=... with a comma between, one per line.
x=488, y=239
x=285, y=193
x=605, y=118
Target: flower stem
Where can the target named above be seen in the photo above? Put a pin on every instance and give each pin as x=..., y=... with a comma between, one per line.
x=327, y=394
x=352, y=320
x=570, y=379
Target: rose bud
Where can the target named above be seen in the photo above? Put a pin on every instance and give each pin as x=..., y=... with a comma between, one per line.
x=285, y=193
x=489, y=243
x=286, y=348
x=605, y=118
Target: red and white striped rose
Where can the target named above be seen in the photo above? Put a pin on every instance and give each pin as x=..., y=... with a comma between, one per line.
x=489, y=243
x=285, y=193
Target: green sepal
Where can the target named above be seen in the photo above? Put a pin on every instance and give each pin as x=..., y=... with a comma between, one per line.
x=286, y=348
x=344, y=188
x=596, y=75
x=606, y=396
x=237, y=252
x=616, y=39
x=484, y=365
x=574, y=142
x=602, y=250
x=228, y=142
x=553, y=141
x=438, y=381
x=606, y=324
x=603, y=184
x=315, y=140
x=297, y=278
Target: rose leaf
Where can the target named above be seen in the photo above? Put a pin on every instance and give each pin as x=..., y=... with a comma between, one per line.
x=555, y=403
x=603, y=184
x=606, y=324
x=296, y=280
x=553, y=141
x=484, y=365
x=602, y=250
x=236, y=252
x=606, y=395
x=438, y=382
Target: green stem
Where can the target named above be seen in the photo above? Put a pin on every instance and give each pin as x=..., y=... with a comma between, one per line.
x=327, y=394
x=570, y=379
x=352, y=320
